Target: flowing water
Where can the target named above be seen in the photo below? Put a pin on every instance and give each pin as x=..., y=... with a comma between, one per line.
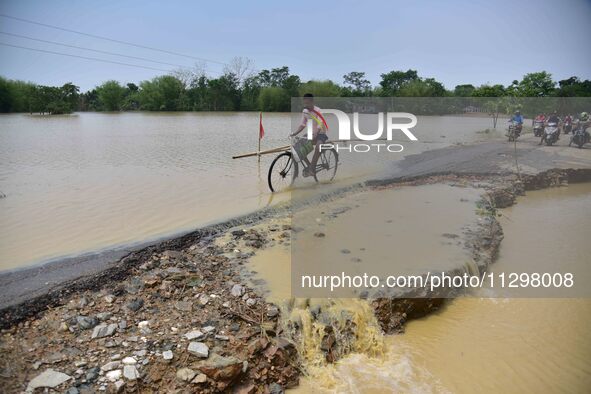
x=94, y=180
x=473, y=344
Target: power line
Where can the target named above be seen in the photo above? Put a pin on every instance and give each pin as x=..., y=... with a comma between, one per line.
x=83, y=57
x=111, y=39
x=92, y=50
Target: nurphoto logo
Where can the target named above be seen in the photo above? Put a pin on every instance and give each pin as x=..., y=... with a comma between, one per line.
x=344, y=132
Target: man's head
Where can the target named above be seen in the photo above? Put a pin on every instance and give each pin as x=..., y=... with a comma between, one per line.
x=517, y=112
x=309, y=100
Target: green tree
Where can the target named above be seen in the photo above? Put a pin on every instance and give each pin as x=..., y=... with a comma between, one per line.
x=464, y=90
x=162, y=93
x=275, y=99
x=489, y=91
x=357, y=84
x=325, y=88
x=428, y=87
x=392, y=82
x=224, y=93
x=538, y=84
x=110, y=96
x=6, y=96
x=574, y=87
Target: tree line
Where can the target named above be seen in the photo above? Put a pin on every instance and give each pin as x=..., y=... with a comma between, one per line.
x=267, y=90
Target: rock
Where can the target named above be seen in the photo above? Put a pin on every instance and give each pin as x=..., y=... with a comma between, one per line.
x=185, y=374
x=103, y=330
x=237, y=290
x=184, y=306
x=109, y=298
x=222, y=338
x=119, y=386
x=103, y=316
x=220, y=368
x=167, y=355
x=172, y=254
x=251, y=302
x=208, y=329
x=204, y=299
x=110, y=366
x=85, y=322
x=48, y=378
x=123, y=324
x=345, y=251
x=114, y=375
x=92, y=374
x=319, y=235
x=83, y=302
x=198, y=349
x=200, y=378
x=135, y=304
x=195, y=334
x=129, y=361
x=151, y=280
x=130, y=372
x=272, y=311
x=73, y=390
x=226, y=304
x=134, y=286
x=238, y=233
x=144, y=327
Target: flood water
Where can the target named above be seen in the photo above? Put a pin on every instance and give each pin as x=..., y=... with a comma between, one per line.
x=94, y=180
x=492, y=345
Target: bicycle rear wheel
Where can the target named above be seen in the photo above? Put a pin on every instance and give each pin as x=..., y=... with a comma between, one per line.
x=326, y=168
x=282, y=172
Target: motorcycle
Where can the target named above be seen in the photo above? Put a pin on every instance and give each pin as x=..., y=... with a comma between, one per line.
x=551, y=133
x=538, y=128
x=514, y=130
x=580, y=136
x=568, y=126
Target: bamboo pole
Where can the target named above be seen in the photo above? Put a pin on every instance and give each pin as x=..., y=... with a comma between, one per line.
x=264, y=152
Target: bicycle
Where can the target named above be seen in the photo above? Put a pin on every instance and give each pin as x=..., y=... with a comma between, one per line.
x=284, y=168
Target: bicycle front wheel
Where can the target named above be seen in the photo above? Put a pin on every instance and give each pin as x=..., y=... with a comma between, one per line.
x=326, y=168
x=282, y=172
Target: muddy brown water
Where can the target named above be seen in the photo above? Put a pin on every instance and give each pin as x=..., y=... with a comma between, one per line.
x=91, y=181
x=474, y=344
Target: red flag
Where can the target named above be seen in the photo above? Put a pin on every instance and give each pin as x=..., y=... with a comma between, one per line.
x=261, y=128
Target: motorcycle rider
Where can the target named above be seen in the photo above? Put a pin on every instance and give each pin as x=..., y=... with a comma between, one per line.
x=568, y=120
x=538, y=123
x=552, y=119
x=584, y=120
x=517, y=118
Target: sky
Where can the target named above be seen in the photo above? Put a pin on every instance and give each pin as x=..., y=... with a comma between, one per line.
x=453, y=41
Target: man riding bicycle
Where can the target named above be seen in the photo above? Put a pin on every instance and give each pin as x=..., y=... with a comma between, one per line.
x=319, y=127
